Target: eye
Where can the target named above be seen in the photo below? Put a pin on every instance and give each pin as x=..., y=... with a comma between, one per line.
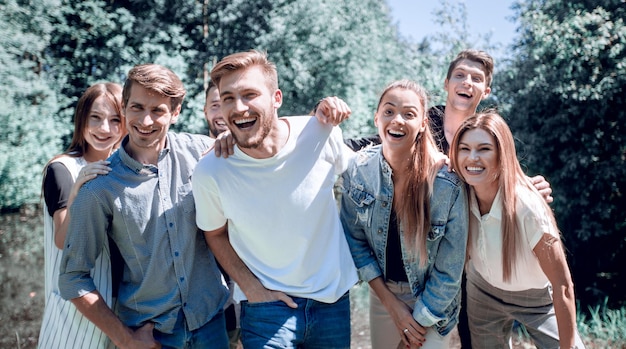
x=409, y=116
x=226, y=99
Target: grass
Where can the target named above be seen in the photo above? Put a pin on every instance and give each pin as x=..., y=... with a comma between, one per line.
x=22, y=295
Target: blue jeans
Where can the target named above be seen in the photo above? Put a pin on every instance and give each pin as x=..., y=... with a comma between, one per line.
x=210, y=335
x=313, y=325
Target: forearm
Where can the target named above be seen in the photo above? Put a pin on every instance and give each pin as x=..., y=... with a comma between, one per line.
x=565, y=310
x=233, y=265
x=93, y=307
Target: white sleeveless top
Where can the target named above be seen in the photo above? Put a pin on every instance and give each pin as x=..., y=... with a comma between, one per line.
x=63, y=326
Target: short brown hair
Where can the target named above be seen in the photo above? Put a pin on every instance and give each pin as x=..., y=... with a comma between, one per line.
x=156, y=78
x=244, y=60
x=477, y=56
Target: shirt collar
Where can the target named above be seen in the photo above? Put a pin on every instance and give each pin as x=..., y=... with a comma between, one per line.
x=496, y=207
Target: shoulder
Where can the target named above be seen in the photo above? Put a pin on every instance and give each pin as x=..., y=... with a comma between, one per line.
x=446, y=177
x=367, y=155
x=196, y=143
x=528, y=202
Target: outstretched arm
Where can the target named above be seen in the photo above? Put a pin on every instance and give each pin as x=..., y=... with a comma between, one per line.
x=543, y=186
x=549, y=251
x=233, y=265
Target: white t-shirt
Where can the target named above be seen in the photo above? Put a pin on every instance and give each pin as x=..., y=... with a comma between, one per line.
x=282, y=216
x=486, y=245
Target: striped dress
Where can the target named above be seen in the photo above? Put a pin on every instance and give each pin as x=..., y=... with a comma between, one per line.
x=63, y=326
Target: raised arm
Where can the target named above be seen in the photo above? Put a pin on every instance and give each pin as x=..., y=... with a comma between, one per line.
x=549, y=251
x=332, y=110
x=233, y=265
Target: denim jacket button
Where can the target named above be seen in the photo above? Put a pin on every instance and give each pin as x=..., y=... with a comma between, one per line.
x=380, y=231
x=384, y=204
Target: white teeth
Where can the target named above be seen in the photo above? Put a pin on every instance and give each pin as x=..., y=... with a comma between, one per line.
x=220, y=123
x=474, y=169
x=396, y=133
x=243, y=121
x=144, y=131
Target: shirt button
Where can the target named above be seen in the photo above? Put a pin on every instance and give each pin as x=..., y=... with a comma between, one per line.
x=176, y=253
x=182, y=279
x=171, y=225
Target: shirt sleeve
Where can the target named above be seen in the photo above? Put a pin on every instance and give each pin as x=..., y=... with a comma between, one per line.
x=86, y=235
x=343, y=154
x=57, y=185
x=209, y=210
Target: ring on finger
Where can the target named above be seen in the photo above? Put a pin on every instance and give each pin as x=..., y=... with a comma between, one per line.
x=406, y=331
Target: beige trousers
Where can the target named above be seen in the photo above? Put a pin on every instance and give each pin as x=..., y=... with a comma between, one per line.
x=383, y=331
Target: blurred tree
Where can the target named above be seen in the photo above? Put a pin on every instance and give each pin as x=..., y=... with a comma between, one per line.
x=325, y=48
x=566, y=101
x=30, y=133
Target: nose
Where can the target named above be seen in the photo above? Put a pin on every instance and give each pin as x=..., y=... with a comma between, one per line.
x=474, y=155
x=105, y=126
x=468, y=79
x=398, y=118
x=240, y=106
x=146, y=120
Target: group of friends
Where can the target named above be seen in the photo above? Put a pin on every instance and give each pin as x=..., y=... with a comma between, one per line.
x=152, y=241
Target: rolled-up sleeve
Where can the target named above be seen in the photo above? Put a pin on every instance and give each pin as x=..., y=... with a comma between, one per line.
x=83, y=244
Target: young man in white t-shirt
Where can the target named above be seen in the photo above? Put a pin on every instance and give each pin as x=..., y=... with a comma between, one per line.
x=269, y=213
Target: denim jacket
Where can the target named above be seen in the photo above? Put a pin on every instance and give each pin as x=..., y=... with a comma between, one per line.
x=366, y=203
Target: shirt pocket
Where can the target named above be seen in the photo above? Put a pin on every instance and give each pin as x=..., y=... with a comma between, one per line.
x=363, y=205
x=185, y=198
x=436, y=232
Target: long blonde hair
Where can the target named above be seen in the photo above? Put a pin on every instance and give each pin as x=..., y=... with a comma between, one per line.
x=413, y=209
x=511, y=177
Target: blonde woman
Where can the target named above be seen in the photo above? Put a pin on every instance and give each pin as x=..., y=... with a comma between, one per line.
x=405, y=218
x=517, y=270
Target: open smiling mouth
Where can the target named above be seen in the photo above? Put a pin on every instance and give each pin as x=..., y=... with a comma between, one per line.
x=245, y=123
x=396, y=134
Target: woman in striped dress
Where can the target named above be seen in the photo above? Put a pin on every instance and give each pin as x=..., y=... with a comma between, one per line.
x=98, y=129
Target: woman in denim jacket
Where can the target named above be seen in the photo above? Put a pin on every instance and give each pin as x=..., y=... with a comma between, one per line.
x=409, y=247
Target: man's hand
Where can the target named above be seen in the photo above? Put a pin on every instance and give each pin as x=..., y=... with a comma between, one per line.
x=263, y=295
x=143, y=338
x=332, y=110
x=224, y=145
x=543, y=187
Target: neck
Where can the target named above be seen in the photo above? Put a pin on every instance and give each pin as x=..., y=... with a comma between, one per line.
x=92, y=155
x=485, y=195
x=145, y=155
x=398, y=161
x=452, y=120
x=272, y=143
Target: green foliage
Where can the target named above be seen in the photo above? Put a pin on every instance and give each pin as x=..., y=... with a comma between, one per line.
x=605, y=327
x=30, y=134
x=567, y=95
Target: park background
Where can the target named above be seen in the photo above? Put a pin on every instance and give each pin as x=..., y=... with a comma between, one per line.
x=559, y=81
